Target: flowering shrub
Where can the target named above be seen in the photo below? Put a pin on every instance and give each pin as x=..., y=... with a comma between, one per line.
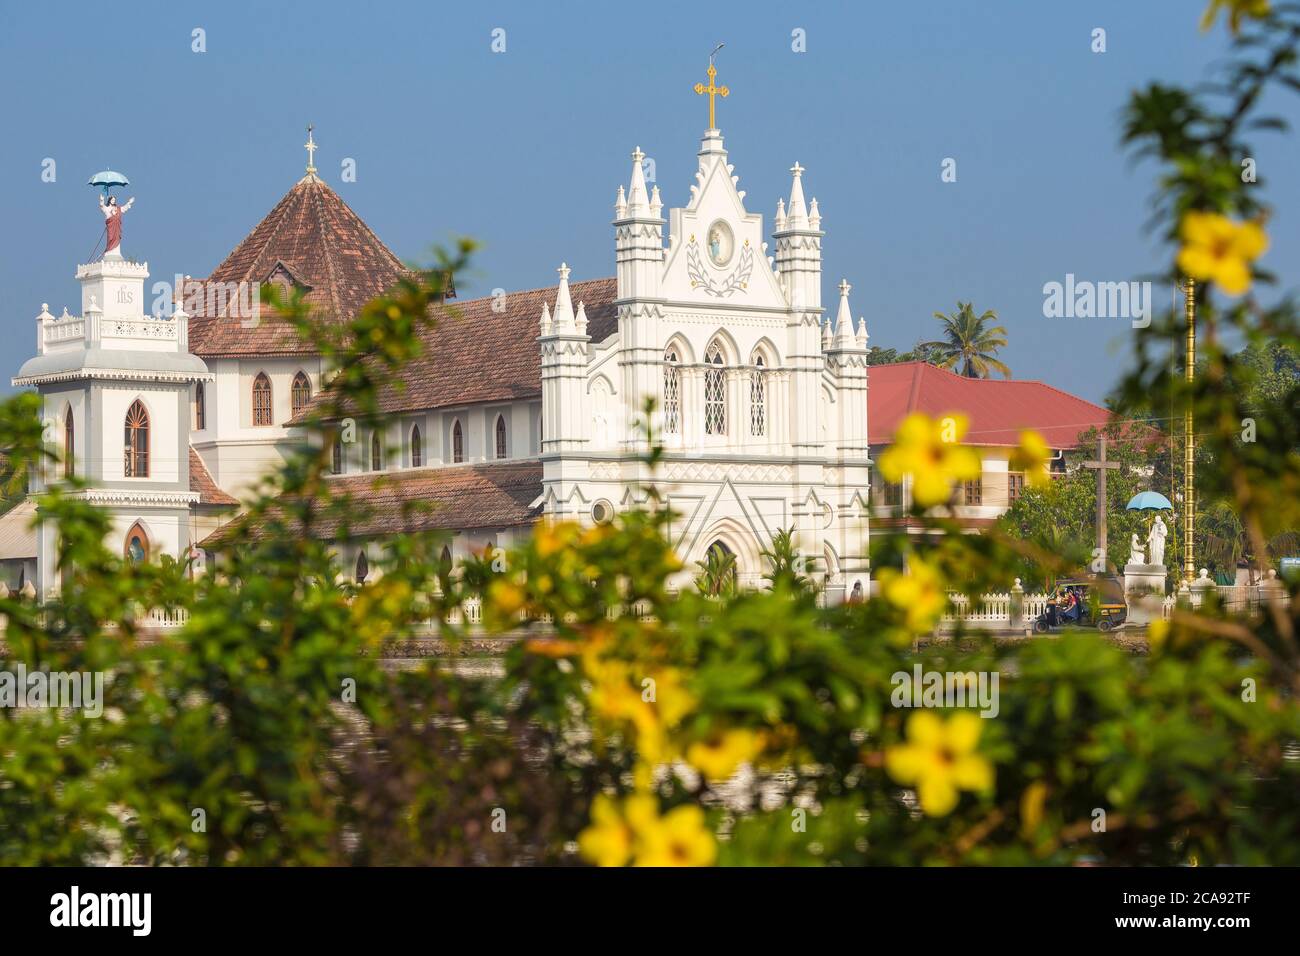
x=638, y=724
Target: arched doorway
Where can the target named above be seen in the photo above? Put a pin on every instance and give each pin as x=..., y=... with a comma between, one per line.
x=718, y=575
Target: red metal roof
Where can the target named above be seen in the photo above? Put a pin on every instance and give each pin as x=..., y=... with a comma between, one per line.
x=998, y=410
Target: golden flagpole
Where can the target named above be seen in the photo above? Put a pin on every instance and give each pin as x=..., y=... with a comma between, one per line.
x=1189, y=445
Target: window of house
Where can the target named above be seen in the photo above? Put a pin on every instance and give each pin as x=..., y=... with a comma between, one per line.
x=973, y=492
x=501, y=437
x=672, y=394
x=715, y=393
x=457, y=442
x=417, y=447
x=362, y=569
x=262, y=414
x=300, y=392
x=336, y=455
x=1015, y=485
x=376, y=452
x=136, y=461
x=757, y=398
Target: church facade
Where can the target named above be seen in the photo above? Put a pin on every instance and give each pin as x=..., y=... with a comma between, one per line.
x=522, y=408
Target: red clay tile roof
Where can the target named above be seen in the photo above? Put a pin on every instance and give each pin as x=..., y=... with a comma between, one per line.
x=323, y=246
x=460, y=497
x=475, y=354
x=201, y=481
x=997, y=410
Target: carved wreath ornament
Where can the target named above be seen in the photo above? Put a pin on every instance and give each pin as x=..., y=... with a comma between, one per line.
x=700, y=278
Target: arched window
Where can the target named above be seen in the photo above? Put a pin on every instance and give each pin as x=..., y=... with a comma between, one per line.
x=444, y=559
x=69, y=447
x=137, y=544
x=757, y=398
x=501, y=436
x=336, y=455
x=376, y=452
x=300, y=392
x=200, y=408
x=672, y=394
x=715, y=393
x=136, y=462
x=457, y=442
x=417, y=447
x=363, y=567
x=262, y=400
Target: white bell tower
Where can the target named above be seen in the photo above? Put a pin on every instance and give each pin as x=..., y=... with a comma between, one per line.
x=116, y=388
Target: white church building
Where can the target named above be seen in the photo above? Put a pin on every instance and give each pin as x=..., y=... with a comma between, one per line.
x=522, y=407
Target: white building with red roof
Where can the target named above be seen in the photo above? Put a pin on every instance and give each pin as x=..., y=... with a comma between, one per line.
x=997, y=412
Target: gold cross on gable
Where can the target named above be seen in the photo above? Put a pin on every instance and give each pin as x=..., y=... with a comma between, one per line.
x=712, y=90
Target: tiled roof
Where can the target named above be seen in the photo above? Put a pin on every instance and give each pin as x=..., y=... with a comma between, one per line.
x=18, y=531
x=322, y=246
x=201, y=481
x=475, y=353
x=997, y=409
x=461, y=497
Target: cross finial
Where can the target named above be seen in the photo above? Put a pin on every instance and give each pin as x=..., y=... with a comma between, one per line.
x=796, y=169
x=844, y=287
x=311, y=148
x=712, y=89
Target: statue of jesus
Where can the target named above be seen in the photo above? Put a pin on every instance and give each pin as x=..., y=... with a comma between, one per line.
x=113, y=220
x=1156, y=539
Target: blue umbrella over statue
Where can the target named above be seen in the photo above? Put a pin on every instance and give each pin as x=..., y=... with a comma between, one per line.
x=1154, y=502
x=106, y=180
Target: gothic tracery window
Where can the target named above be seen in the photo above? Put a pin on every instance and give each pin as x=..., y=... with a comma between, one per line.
x=137, y=545
x=363, y=568
x=200, y=408
x=417, y=447
x=136, y=459
x=336, y=455
x=715, y=393
x=758, y=398
x=69, y=448
x=501, y=437
x=672, y=394
x=262, y=400
x=300, y=392
x=457, y=442
x=376, y=451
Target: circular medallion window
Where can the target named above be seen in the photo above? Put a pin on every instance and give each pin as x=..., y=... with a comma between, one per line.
x=720, y=243
x=602, y=512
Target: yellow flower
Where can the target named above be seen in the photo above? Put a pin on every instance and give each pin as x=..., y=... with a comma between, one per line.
x=928, y=450
x=1219, y=250
x=939, y=760
x=1256, y=9
x=679, y=838
x=919, y=593
x=550, y=537
x=1031, y=457
x=1031, y=807
x=609, y=839
x=635, y=832
x=652, y=705
x=719, y=756
x=506, y=597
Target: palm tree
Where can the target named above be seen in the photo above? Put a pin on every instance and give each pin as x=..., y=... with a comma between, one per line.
x=968, y=340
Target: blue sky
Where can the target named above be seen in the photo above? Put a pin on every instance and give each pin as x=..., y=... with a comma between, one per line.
x=524, y=150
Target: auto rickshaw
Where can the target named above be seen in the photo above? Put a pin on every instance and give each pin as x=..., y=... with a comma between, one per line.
x=1080, y=602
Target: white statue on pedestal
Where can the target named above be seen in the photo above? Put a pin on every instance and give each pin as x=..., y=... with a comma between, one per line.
x=1136, y=554
x=1156, y=539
